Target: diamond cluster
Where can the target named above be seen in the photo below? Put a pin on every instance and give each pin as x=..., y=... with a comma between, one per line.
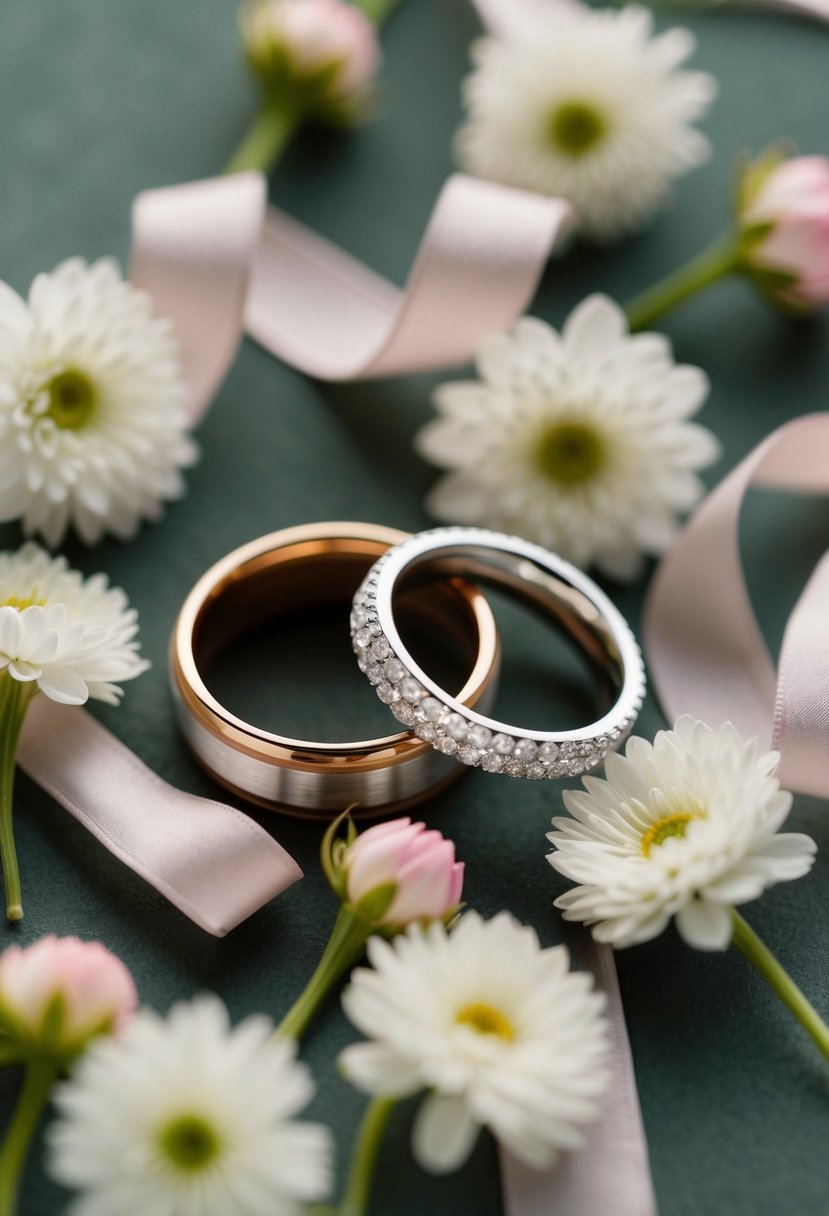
x=450, y=732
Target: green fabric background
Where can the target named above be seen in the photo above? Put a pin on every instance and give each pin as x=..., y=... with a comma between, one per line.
x=101, y=100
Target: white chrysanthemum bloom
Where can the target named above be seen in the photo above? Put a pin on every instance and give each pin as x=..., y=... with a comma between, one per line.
x=499, y=1030
x=72, y=638
x=185, y=1116
x=685, y=827
x=93, y=426
x=589, y=107
x=578, y=441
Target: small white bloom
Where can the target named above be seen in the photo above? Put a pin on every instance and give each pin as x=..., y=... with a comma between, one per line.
x=72, y=638
x=188, y=1117
x=686, y=827
x=93, y=428
x=500, y=1031
x=578, y=441
x=588, y=106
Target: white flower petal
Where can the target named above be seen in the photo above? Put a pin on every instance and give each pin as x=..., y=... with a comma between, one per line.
x=444, y=1134
x=593, y=328
x=64, y=685
x=707, y=926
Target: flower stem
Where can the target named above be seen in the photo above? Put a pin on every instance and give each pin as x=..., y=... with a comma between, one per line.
x=364, y=1157
x=265, y=140
x=378, y=11
x=345, y=947
x=14, y=701
x=722, y=258
x=747, y=941
x=40, y=1075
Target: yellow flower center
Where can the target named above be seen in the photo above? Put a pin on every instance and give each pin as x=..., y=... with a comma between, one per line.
x=574, y=127
x=21, y=602
x=485, y=1020
x=73, y=399
x=189, y=1142
x=669, y=825
x=571, y=453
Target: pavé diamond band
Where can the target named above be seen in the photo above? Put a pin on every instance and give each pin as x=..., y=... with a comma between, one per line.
x=551, y=585
x=295, y=570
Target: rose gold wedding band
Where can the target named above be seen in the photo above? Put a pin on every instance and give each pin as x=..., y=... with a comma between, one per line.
x=299, y=568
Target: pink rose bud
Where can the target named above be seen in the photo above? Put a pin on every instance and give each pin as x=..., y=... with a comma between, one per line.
x=784, y=220
x=59, y=993
x=315, y=53
x=414, y=869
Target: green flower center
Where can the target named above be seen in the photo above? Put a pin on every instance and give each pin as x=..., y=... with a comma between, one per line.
x=190, y=1143
x=72, y=399
x=575, y=128
x=669, y=825
x=485, y=1020
x=571, y=453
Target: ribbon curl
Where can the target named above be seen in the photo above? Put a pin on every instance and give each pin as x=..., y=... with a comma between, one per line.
x=213, y=258
x=705, y=649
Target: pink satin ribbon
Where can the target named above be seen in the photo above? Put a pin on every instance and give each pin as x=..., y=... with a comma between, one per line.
x=706, y=653
x=610, y=1176
x=213, y=862
x=214, y=258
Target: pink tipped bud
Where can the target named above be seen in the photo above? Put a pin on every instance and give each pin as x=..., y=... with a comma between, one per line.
x=417, y=863
x=59, y=993
x=312, y=52
x=784, y=216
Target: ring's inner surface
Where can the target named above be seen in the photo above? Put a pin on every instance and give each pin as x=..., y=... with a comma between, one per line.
x=532, y=654
x=272, y=642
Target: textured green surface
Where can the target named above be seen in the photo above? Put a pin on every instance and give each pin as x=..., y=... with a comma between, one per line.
x=100, y=100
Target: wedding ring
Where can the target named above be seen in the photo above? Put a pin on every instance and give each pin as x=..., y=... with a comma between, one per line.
x=546, y=582
x=298, y=568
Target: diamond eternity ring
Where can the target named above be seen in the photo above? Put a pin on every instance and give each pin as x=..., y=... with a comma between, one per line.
x=549, y=584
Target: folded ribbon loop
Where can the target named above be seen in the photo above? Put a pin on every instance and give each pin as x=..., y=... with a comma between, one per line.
x=213, y=862
x=193, y=251
x=476, y=270
x=704, y=646
x=213, y=258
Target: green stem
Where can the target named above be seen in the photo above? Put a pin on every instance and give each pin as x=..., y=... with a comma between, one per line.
x=14, y=701
x=364, y=1157
x=39, y=1078
x=722, y=258
x=345, y=947
x=377, y=11
x=265, y=140
x=747, y=941
x=9, y=1054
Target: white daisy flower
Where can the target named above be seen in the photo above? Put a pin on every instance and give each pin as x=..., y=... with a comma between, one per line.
x=590, y=107
x=685, y=827
x=578, y=441
x=93, y=428
x=185, y=1116
x=69, y=637
x=499, y=1031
